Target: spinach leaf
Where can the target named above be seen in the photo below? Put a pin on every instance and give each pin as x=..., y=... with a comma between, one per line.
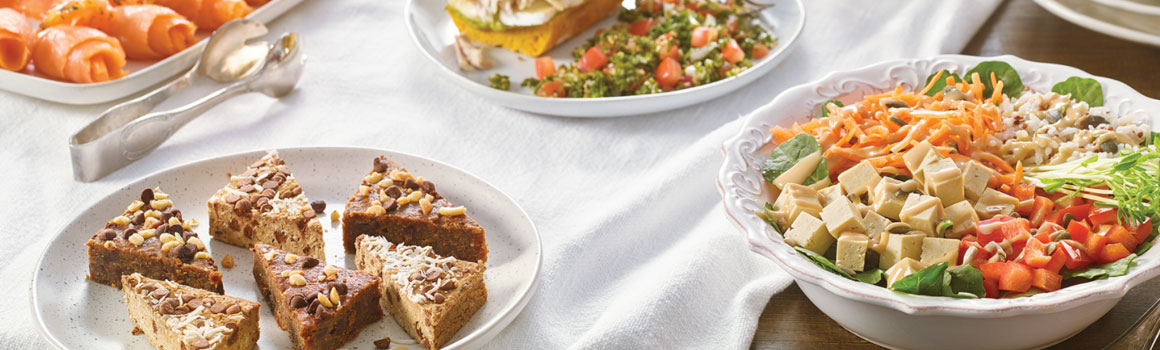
x=1112, y=269
x=928, y=281
x=820, y=173
x=869, y=276
x=826, y=111
x=823, y=262
x=1012, y=84
x=768, y=217
x=965, y=279
x=788, y=154
x=941, y=83
x=1082, y=90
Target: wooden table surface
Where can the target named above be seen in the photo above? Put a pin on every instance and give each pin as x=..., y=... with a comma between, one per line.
x=1021, y=28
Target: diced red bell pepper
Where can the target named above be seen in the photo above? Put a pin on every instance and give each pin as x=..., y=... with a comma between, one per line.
x=1078, y=212
x=1054, y=218
x=1079, y=231
x=1040, y=209
x=1102, y=216
x=1113, y=252
x=981, y=255
x=1076, y=258
x=1043, y=234
x=1035, y=255
x=1058, y=258
x=1095, y=244
x=992, y=288
x=1046, y=280
x=1023, y=192
x=993, y=271
x=1119, y=234
x=1017, y=278
x=1142, y=231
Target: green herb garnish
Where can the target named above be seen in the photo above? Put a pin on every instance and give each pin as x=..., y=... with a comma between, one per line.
x=500, y=81
x=1132, y=181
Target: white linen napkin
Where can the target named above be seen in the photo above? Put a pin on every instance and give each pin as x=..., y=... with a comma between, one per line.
x=637, y=250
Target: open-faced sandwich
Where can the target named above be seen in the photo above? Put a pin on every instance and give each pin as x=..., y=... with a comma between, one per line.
x=530, y=27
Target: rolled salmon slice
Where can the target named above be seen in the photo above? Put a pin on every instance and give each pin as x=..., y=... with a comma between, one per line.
x=36, y=8
x=16, y=33
x=78, y=54
x=209, y=14
x=151, y=31
x=252, y=3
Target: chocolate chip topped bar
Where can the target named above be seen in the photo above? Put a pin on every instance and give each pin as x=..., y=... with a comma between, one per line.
x=405, y=208
x=153, y=239
x=429, y=295
x=179, y=317
x=322, y=306
x=265, y=204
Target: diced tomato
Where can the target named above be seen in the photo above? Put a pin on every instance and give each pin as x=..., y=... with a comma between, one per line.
x=1102, y=216
x=1076, y=258
x=1113, y=252
x=993, y=271
x=545, y=67
x=1078, y=212
x=1095, y=244
x=1040, y=209
x=1043, y=234
x=703, y=36
x=992, y=288
x=1119, y=234
x=640, y=27
x=669, y=73
x=1035, y=254
x=1058, y=258
x=760, y=51
x=593, y=59
x=1017, y=278
x=1079, y=231
x=732, y=52
x=1046, y=280
x=552, y=89
x=1142, y=231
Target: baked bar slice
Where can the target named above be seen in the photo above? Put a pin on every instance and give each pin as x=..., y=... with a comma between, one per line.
x=429, y=295
x=152, y=238
x=264, y=204
x=405, y=208
x=178, y=317
x=321, y=306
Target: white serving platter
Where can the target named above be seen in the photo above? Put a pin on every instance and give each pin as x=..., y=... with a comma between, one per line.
x=434, y=34
x=142, y=74
x=1128, y=20
x=75, y=313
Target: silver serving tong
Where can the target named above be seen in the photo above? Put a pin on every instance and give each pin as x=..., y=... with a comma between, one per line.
x=128, y=132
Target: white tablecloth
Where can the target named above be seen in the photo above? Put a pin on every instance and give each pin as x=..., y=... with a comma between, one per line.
x=637, y=251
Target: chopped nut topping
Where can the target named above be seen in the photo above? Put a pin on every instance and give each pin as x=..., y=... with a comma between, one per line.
x=334, y=217
x=376, y=210
x=453, y=211
x=425, y=204
x=334, y=297
x=290, y=258
x=136, y=205
x=153, y=214
x=373, y=178
x=270, y=255
x=160, y=204
x=196, y=241
x=110, y=244
x=160, y=195
x=148, y=233
x=169, y=245
x=228, y=261
x=297, y=280
x=325, y=300
x=386, y=183
x=201, y=255
x=136, y=239
x=151, y=222
x=120, y=221
x=166, y=237
x=363, y=190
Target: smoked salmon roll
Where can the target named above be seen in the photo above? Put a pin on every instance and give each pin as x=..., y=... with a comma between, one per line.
x=145, y=31
x=36, y=8
x=78, y=54
x=253, y=3
x=209, y=14
x=16, y=34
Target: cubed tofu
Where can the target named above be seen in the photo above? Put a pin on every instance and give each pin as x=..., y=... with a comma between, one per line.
x=903, y=268
x=830, y=194
x=890, y=195
x=794, y=200
x=875, y=225
x=922, y=213
x=939, y=250
x=851, y=251
x=800, y=171
x=901, y=246
x=810, y=233
x=975, y=179
x=993, y=203
x=965, y=218
x=823, y=183
x=859, y=179
x=945, y=181
x=841, y=216
x=920, y=174
x=915, y=156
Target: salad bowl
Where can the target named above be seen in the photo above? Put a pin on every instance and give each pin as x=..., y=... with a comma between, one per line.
x=905, y=321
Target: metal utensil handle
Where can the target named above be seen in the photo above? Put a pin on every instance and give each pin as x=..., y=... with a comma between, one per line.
x=143, y=135
x=1143, y=334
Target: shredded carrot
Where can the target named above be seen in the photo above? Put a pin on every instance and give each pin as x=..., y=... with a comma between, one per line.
x=1018, y=173
x=931, y=83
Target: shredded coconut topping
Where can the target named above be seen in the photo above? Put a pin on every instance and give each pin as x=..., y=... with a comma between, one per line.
x=420, y=273
x=200, y=323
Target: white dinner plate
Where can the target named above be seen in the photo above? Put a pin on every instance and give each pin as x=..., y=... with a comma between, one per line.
x=75, y=313
x=1121, y=19
x=434, y=34
x=142, y=73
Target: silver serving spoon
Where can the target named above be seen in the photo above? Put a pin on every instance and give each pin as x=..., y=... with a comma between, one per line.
x=126, y=133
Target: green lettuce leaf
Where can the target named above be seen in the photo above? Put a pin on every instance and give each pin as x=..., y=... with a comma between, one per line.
x=1082, y=90
x=1012, y=84
x=965, y=279
x=869, y=276
x=928, y=281
x=1112, y=269
x=826, y=111
x=823, y=262
x=789, y=153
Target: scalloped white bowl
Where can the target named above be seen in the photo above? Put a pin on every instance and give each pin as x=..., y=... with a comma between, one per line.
x=906, y=321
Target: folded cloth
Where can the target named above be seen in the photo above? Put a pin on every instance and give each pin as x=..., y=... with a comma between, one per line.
x=637, y=250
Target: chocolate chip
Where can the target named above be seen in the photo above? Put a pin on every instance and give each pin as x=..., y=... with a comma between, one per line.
x=183, y=309
x=264, y=204
x=309, y=262
x=318, y=206
x=167, y=307
x=165, y=216
x=410, y=183
x=433, y=274
x=175, y=229
x=186, y=298
x=232, y=198
x=380, y=165
x=233, y=309
x=200, y=344
x=258, y=164
x=447, y=285
x=159, y=293
x=175, y=251
x=147, y=196
x=189, y=249
x=313, y=306
x=270, y=184
x=139, y=218
x=341, y=287
x=280, y=177
x=291, y=193
x=268, y=193
x=297, y=301
x=149, y=286
x=384, y=343
x=129, y=232
x=242, y=206
x=415, y=276
x=187, y=235
x=249, y=173
x=218, y=308
x=263, y=175
x=439, y=298
x=394, y=191
x=390, y=203
x=108, y=234
x=309, y=213
x=195, y=303
x=428, y=186
x=247, y=188
x=163, y=228
x=245, y=181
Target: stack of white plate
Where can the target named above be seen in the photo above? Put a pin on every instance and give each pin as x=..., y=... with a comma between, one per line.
x=1134, y=20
